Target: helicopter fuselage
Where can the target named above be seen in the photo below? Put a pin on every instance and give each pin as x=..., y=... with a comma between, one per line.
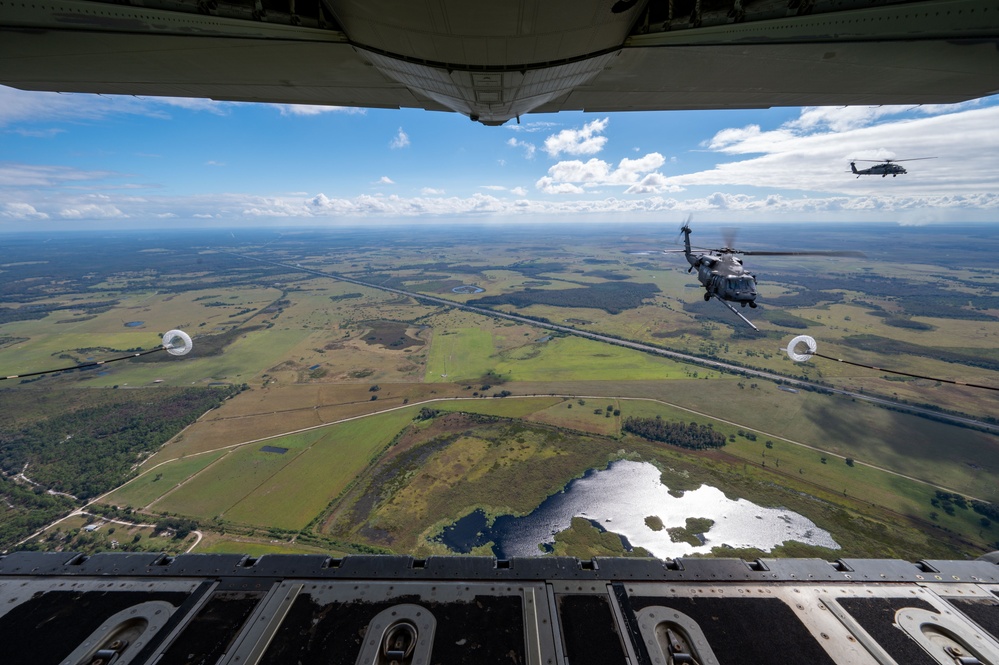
x=886, y=169
x=724, y=277
x=721, y=273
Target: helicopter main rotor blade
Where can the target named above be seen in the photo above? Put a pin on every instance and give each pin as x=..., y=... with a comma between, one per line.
x=891, y=161
x=855, y=254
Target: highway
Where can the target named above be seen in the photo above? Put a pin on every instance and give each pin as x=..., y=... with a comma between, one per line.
x=639, y=346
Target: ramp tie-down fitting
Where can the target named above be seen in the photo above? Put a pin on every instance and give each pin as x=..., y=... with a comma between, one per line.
x=399, y=635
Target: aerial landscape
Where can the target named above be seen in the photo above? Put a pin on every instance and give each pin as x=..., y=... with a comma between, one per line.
x=589, y=332
x=506, y=390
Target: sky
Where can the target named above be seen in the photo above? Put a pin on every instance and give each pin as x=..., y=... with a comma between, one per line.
x=79, y=161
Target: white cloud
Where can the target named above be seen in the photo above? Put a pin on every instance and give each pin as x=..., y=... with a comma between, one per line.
x=312, y=110
x=518, y=191
x=495, y=188
x=430, y=191
x=550, y=186
x=30, y=175
x=585, y=141
x=574, y=206
x=529, y=148
x=21, y=211
x=92, y=211
x=385, y=180
x=212, y=162
x=652, y=183
x=532, y=127
x=401, y=140
x=638, y=175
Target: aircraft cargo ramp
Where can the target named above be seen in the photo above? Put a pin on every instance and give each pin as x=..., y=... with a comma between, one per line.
x=303, y=609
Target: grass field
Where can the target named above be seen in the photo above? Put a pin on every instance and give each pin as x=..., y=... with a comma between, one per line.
x=296, y=494
x=154, y=483
x=582, y=417
x=209, y=494
x=464, y=354
x=286, y=491
x=572, y=358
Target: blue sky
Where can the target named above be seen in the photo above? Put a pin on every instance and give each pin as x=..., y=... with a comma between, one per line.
x=74, y=161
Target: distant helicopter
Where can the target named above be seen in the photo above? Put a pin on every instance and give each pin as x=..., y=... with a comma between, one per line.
x=883, y=167
x=723, y=276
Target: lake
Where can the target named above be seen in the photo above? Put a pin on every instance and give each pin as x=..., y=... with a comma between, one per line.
x=618, y=499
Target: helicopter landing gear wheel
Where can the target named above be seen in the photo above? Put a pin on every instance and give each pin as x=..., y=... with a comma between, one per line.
x=707, y=297
x=743, y=303
x=752, y=304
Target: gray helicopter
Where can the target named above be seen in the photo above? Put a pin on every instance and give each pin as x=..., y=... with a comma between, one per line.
x=883, y=167
x=723, y=275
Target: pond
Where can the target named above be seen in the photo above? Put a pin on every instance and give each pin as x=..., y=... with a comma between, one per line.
x=619, y=499
x=134, y=324
x=467, y=289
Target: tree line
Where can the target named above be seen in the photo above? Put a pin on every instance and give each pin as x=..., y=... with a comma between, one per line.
x=686, y=435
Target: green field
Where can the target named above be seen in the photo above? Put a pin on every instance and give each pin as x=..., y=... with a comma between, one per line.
x=464, y=354
x=209, y=494
x=154, y=483
x=286, y=490
x=296, y=494
x=572, y=358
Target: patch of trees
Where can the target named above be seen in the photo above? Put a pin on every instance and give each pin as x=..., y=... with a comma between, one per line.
x=785, y=320
x=989, y=510
x=346, y=296
x=179, y=526
x=612, y=297
x=947, y=501
x=91, y=450
x=25, y=509
x=686, y=435
x=608, y=274
x=426, y=413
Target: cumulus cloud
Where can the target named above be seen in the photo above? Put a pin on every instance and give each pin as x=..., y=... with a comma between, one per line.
x=401, y=140
x=15, y=210
x=321, y=209
x=518, y=191
x=430, y=191
x=639, y=176
x=529, y=148
x=496, y=188
x=385, y=180
x=585, y=141
x=92, y=211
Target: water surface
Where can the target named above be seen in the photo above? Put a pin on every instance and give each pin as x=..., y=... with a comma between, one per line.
x=619, y=499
